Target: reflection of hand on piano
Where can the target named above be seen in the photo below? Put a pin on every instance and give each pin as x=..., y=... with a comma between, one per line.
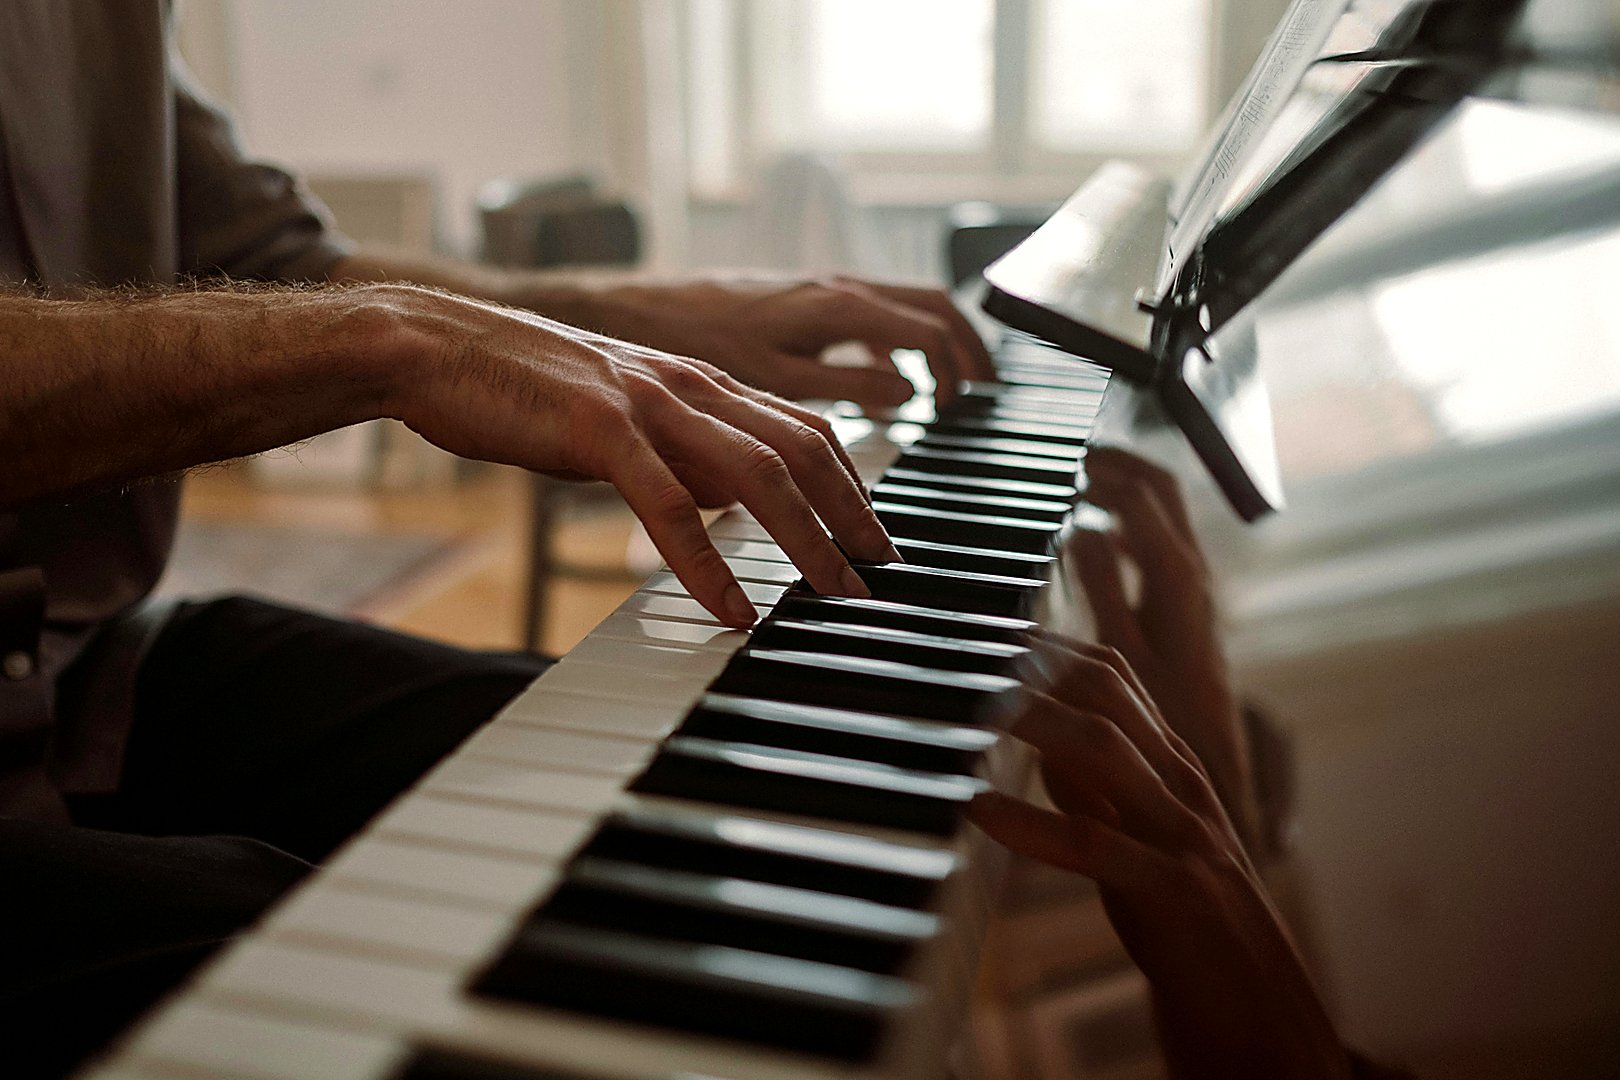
x=1169, y=634
x=1136, y=812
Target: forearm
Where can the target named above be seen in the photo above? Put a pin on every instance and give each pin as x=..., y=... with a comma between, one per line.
x=578, y=299
x=102, y=390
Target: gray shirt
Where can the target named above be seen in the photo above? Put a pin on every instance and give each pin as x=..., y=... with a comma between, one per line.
x=113, y=170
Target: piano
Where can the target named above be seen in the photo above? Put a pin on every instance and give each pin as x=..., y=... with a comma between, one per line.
x=688, y=851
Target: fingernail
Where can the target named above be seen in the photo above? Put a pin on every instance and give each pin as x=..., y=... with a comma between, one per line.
x=893, y=555
x=852, y=584
x=739, y=607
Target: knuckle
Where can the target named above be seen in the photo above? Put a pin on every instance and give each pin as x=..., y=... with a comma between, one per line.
x=671, y=501
x=762, y=465
x=808, y=441
x=685, y=376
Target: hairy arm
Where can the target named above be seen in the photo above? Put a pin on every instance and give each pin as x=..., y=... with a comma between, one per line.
x=108, y=388
x=103, y=390
x=769, y=333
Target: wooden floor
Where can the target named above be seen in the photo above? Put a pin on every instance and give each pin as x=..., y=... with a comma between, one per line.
x=475, y=597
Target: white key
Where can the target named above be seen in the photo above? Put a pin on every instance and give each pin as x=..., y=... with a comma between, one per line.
x=758, y=592
x=775, y=572
x=760, y=550
x=667, y=632
x=298, y=980
x=645, y=656
x=626, y=684
x=210, y=1040
x=738, y=526
x=338, y=916
x=675, y=607
x=570, y=751
x=479, y=778
x=590, y=712
x=536, y=833
x=461, y=876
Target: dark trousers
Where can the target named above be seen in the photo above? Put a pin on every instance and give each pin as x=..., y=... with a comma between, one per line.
x=263, y=738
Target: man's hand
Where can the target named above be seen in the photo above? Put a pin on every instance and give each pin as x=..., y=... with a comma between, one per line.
x=672, y=434
x=1169, y=634
x=1135, y=811
x=771, y=335
x=110, y=388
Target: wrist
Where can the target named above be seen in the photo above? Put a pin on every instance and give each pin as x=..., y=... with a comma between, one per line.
x=387, y=345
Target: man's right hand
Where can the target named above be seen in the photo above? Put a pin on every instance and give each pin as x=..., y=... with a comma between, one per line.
x=671, y=434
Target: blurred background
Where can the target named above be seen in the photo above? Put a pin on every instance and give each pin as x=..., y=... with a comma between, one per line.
x=1432, y=624
x=670, y=136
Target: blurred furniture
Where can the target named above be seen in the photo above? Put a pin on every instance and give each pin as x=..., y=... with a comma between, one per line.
x=540, y=225
x=979, y=233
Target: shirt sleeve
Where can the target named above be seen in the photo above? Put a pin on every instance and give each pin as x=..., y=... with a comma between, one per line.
x=241, y=218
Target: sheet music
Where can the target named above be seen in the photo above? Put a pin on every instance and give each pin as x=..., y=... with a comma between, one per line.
x=1297, y=41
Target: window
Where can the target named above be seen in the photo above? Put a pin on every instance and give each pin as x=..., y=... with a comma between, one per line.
x=998, y=94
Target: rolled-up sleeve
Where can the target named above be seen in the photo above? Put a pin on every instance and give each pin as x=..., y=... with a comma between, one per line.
x=240, y=218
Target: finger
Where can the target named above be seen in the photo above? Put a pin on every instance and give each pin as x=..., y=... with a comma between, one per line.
x=1082, y=845
x=854, y=311
x=1183, y=772
x=809, y=417
x=976, y=362
x=1118, y=464
x=760, y=479
x=832, y=491
x=1097, y=562
x=671, y=518
x=871, y=388
x=1086, y=752
x=1166, y=554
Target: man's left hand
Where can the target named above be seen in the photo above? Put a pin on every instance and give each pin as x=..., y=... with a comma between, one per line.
x=772, y=335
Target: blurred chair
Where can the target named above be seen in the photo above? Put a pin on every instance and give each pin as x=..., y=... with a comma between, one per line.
x=545, y=224
x=979, y=233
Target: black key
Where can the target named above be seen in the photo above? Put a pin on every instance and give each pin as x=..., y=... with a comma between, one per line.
x=728, y=845
x=989, y=425
x=1017, y=375
x=883, y=643
x=1000, y=466
x=922, y=620
x=742, y=914
x=948, y=590
x=1024, y=489
x=891, y=740
x=969, y=530
x=975, y=396
x=815, y=785
x=708, y=989
x=974, y=560
x=972, y=502
x=436, y=1063
x=865, y=685
x=1078, y=414
x=995, y=444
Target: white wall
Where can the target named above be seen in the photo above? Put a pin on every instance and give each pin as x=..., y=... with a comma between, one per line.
x=462, y=91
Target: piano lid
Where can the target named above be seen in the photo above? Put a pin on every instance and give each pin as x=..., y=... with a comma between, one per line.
x=1342, y=93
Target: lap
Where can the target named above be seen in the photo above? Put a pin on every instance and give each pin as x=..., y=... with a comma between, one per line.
x=262, y=738
x=291, y=727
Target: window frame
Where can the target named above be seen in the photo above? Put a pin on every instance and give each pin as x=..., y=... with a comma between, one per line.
x=1013, y=168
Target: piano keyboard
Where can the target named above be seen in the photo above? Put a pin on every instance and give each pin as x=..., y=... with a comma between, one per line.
x=688, y=850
